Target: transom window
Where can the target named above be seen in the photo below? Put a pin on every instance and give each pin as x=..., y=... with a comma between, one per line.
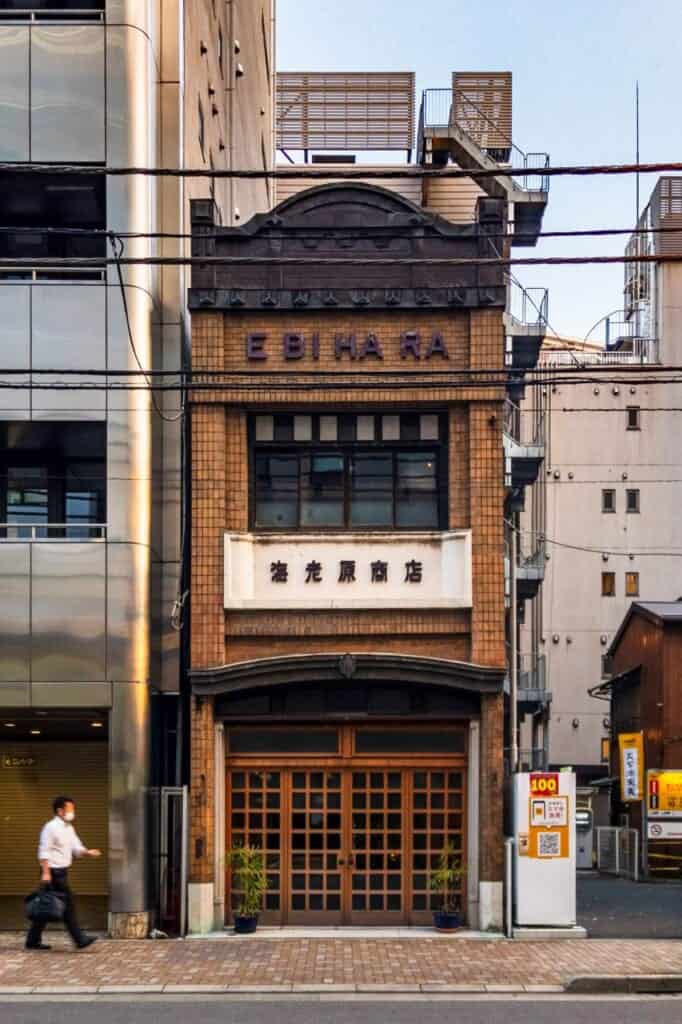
x=369, y=471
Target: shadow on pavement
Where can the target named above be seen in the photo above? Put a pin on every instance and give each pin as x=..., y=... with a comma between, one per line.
x=616, y=908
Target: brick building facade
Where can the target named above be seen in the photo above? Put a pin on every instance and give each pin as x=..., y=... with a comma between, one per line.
x=347, y=644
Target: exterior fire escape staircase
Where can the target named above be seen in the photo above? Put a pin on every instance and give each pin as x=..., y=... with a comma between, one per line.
x=470, y=126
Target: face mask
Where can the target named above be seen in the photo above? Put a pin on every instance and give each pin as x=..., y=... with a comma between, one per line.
x=69, y=816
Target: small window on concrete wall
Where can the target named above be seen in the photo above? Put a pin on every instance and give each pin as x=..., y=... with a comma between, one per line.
x=608, y=500
x=632, y=584
x=632, y=500
x=608, y=584
x=633, y=417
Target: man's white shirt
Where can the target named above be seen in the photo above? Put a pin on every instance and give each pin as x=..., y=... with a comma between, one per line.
x=59, y=843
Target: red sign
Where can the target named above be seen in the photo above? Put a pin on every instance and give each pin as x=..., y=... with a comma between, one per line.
x=544, y=783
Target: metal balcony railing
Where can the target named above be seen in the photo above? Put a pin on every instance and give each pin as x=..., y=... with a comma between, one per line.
x=526, y=429
x=53, y=531
x=532, y=674
x=438, y=111
x=528, y=308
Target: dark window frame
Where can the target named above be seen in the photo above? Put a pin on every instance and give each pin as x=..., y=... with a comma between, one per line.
x=634, y=422
x=612, y=492
x=347, y=449
x=604, y=589
x=636, y=502
x=58, y=464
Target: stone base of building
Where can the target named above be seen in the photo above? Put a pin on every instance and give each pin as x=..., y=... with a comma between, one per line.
x=200, y=908
x=491, y=906
x=129, y=925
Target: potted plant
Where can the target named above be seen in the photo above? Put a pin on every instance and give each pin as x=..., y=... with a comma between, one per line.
x=250, y=882
x=445, y=881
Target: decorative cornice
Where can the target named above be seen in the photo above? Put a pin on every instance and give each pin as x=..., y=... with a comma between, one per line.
x=466, y=297
x=362, y=667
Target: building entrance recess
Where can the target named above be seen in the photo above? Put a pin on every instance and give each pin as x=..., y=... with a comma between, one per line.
x=348, y=838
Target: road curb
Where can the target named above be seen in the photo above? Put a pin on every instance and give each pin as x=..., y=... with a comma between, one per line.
x=620, y=984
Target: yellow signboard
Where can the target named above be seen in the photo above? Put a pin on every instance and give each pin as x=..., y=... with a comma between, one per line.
x=665, y=792
x=548, y=828
x=631, y=749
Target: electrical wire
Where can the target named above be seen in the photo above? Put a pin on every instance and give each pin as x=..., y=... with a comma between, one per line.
x=118, y=252
x=346, y=174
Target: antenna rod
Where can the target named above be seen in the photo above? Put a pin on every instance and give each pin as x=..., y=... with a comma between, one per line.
x=637, y=147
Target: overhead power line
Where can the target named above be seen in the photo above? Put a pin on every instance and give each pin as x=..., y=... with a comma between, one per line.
x=346, y=174
x=93, y=262
x=385, y=232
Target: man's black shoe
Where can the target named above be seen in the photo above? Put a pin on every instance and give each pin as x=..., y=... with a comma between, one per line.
x=87, y=941
x=39, y=945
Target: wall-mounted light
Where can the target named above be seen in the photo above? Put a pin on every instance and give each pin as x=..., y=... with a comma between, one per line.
x=10, y=725
x=569, y=639
x=570, y=476
x=633, y=391
x=603, y=639
x=616, y=391
x=555, y=638
x=237, y=46
x=606, y=722
x=604, y=557
x=624, y=476
x=575, y=723
x=557, y=474
x=35, y=732
x=239, y=70
x=596, y=391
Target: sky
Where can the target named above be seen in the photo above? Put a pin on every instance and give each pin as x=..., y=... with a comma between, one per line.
x=575, y=64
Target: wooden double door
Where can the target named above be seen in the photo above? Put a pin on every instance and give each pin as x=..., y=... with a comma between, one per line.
x=347, y=844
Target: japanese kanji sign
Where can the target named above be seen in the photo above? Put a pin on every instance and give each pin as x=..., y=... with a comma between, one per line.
x=631, y=766
x=370, y=570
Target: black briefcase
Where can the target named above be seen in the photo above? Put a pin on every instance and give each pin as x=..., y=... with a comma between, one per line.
x=45, y=905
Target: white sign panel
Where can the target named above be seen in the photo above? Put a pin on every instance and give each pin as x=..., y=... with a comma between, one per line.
x=369, y=570
x=666, y=829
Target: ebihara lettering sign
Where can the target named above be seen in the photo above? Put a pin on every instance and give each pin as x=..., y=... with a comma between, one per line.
x=413, y=346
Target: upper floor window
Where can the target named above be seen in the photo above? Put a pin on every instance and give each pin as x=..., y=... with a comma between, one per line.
x=51, y=215
x=633, y=417
x=608, y=500
x=52, y=480
x=353, y=472
x=61, y=9
x=632, y=499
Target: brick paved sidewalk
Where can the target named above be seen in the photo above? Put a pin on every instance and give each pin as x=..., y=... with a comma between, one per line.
x=352, y=963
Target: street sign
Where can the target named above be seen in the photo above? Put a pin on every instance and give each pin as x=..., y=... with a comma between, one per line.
x=669, y=828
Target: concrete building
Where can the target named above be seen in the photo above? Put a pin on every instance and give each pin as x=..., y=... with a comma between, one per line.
x=349, y=474
x=613, y=486
x=91, y=559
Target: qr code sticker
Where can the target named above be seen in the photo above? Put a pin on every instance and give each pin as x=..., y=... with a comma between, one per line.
x=549, y=844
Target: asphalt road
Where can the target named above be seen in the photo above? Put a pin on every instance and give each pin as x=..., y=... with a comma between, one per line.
x=561, y=1010
x=616, y=908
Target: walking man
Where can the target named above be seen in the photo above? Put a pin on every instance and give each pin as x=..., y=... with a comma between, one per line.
x=57, y=847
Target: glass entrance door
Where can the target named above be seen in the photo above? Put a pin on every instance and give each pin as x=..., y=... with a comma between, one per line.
x=350, y=840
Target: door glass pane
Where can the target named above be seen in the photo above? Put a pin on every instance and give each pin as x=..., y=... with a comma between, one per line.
x=316, y=840
x=276, y=490
x=250, y=824
x=371, y=502
x=376, y=881
x=432, y=829
x=416, y=490
x=322, y=490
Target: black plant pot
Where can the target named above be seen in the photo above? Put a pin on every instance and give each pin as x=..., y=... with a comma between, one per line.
x=245, y=924
x=447, y=920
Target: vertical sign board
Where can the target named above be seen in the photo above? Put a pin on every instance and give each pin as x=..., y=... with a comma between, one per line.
x=631, y=750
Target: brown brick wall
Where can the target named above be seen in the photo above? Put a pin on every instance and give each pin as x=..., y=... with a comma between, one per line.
x=491, y=795
x=476, y=497
x=202, y=807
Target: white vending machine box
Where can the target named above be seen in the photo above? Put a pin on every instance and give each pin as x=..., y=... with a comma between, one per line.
x=544, y=849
